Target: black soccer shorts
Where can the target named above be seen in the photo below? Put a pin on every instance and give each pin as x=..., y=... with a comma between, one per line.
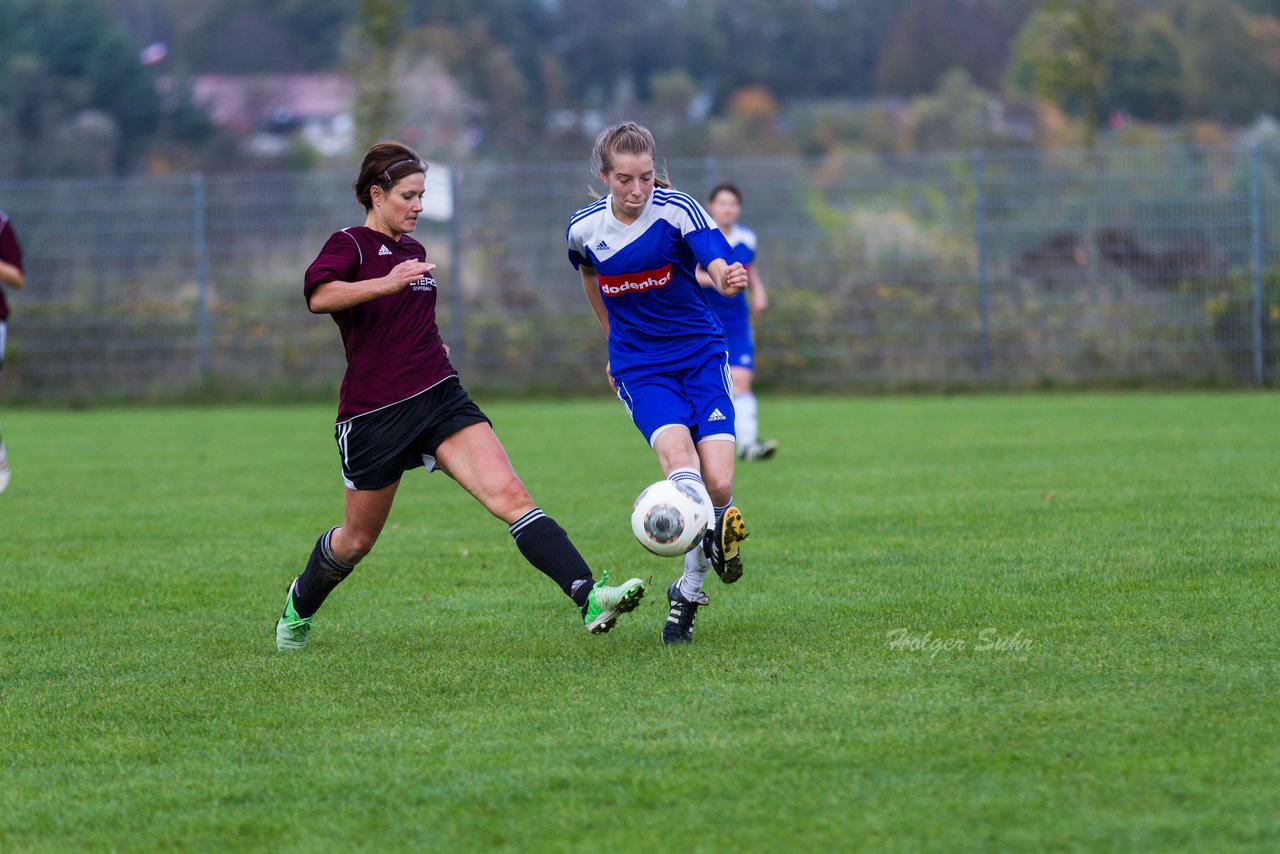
x=378, y=447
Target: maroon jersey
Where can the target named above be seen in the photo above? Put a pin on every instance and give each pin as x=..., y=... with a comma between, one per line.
x=393, y=347
x=11, y=252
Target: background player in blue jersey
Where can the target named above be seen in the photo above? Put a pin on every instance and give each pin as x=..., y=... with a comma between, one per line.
x=11, y=276
x=736, y=313
x=637, y=250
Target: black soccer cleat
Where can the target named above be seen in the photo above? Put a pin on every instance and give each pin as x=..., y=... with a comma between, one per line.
x=679, y=625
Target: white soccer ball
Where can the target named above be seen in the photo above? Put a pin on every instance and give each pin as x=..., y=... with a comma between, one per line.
x=669, y=518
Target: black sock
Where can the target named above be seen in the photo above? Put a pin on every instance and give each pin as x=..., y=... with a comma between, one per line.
x=323, y=573
x=545, y=545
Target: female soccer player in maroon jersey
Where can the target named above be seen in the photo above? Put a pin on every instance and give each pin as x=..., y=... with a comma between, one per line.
x=402, y=406
x=11, y=275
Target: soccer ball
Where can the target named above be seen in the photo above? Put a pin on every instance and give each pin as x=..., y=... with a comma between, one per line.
x=669, y=518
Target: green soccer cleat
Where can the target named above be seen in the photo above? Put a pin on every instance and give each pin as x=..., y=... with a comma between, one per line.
x=605, y=603
x=291, y=630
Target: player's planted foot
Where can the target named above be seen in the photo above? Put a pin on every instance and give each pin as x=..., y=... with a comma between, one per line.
x=291, y=630
x=725, y=557
x=605, y=603
x=679, y=625
x=759, y=450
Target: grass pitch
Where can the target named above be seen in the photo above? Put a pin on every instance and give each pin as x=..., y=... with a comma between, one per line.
x=1001, y=623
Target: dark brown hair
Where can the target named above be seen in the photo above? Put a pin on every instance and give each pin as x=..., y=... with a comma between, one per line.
x=724, y=187
x=384, y=164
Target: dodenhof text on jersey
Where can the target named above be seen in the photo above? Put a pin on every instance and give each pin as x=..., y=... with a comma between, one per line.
x=613, y=286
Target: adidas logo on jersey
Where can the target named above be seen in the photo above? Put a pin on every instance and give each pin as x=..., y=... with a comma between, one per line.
x=717, y=415
x=383, y=250
x=602, y=246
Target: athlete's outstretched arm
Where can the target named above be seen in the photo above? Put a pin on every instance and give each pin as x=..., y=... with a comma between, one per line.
x=328, y=297
x=704, y=278
x=10, y=275
x=591, y=287
x=756, y=295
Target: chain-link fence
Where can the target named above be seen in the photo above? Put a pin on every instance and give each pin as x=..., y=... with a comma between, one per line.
x=979, y=269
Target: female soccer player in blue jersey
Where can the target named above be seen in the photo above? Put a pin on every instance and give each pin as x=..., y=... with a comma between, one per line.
x=11, y=276
x=637, y=250
x=724, y=203
x=401, y=405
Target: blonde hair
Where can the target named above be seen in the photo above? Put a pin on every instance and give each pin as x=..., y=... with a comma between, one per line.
x=625, y=138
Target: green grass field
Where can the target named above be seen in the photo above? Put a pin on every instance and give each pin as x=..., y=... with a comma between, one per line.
x=991, y=622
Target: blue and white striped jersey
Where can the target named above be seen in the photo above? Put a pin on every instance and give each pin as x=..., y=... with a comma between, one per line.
x=659, y=319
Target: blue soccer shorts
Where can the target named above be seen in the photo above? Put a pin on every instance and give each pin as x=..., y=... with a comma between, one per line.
x=742, y=347
x=700, y=398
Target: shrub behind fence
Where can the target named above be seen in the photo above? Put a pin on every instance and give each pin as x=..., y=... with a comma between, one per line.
x=979, y=269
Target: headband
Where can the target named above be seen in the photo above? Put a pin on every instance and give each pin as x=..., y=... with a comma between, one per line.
x=386, y=173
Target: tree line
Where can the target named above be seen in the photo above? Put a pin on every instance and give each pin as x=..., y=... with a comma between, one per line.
x=791, y=73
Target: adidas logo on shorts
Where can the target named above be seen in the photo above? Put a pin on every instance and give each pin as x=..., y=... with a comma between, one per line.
x=717, y=416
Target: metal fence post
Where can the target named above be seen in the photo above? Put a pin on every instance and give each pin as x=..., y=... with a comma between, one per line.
x=1255, y=260
x=710, y=166
x=200, y=230
x=457, y=350
x=980, y=239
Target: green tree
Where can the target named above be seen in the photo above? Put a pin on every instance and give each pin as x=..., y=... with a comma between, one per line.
x=1262, y=7
x=1148, y=75
x=928, y=38
x=1064, y=54
x=1227, y=73
x=249, y=36
x=378, y=35
x=61, y=60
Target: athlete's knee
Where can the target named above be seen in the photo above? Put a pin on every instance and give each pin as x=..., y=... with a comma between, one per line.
x=509, y=498
x=350, y=543
x=681, y=458
x=719, y=486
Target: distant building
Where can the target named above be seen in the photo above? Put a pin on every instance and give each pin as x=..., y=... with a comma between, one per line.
x=269, y=109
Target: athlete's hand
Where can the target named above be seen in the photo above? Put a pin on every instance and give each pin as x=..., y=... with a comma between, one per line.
x=608, y=372
x=405, y=273
x=734, y=280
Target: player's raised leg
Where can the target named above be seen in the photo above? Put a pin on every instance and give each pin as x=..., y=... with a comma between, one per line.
x=730, y=530
x=475, y=458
